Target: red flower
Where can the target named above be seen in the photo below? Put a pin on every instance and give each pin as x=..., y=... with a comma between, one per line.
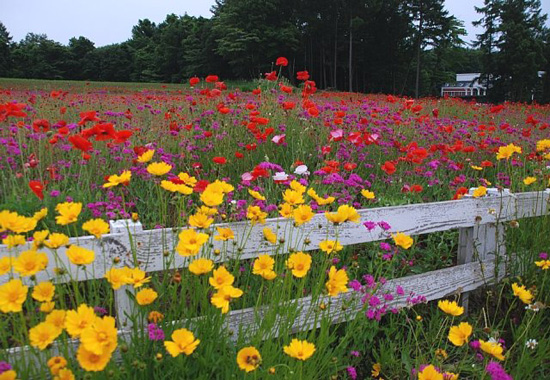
x=388, y=167
x=416, y=188
x=271, y=76
x=200, y=186
x=288, y=105
x=62, y=110
x=349, y=166
x=257, y=91
x=313, y=111
x=212, y=79
x=302, y=75
x=286, y=89
x=281, y=61
x=104, y=132
x=41, y=125
x=194, y=81
x=460, y=192
x=219, y=160
x=37, y=188
x=11, y=109
x=122, y=136
x=221, y=86
x=239, y=155
x=87, y=116
x=80, y=143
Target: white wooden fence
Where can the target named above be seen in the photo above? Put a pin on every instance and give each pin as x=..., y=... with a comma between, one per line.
x=481, y=249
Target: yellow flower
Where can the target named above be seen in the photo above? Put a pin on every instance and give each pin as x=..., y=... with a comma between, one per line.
x=100, y=336
x=480, y=192
x=68, y=212
x=269, y=235
x=376, y=368
x=344, y=213
x=47, y=307
x=43, y=292
x=492, y=348
x=77, y=320
x=330, y=246
x=297, y=186
x=190, y=242
x=96, y=227
x=200, y=220
x=507, y=151
x=210, y=211
x=302, y=214
x=90, y=361
x=524, y=295
x=118, y=277
x=459, y=335
x=146, y=156
x=263, y=266
x=211, y=198
x=299, y=349
x=430, y=373
x=136, y=277
x=8, y=375
x=223, y=296
x=220, y=278
x=5, y=265
x=478, y=168
x=187, y=179
x=220, y=187
x=368, y=194
x=57, y=318
x=402, y=240
x=450, y=307
x=158, y=168
x=64, y=374
x=56, y=363
x=529, y=180
x=14, y=222
x=43, y=334
x=450, y=376
x=293, y=197
x=248, y=359
x=176, y=187
x=256, y=195
x=29, y=263
x=286, y=210
x=115, y=180
x=299, y=263
x=12, y=296
x=255, y=215
x=38, y=239
x=201, y=266
x=183, y=341
x=224, y=234
x=543, y=145
x=146, y=296
x=80, y=256
x=14, y=240
x=56, y=240
x=337, y=281
x=155, y=317
x=542, y=264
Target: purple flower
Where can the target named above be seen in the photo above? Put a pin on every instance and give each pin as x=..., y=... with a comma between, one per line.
x=352, y=372
x=369, y=225
x=155, y=332
x=384, y=225
x=54, y=193
x=496, y=371
x=399, y=290
x=355, y=285
x=100, y=310
x=4, y=366
x=355, y=353
x=543, y=255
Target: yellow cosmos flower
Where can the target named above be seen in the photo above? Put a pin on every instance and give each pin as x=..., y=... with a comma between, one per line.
x=459, y=335
x=320, y=201
x=256, y=195
x=201, y=266
x=56, y=240
x=146, y=296
x=263, y=266
x=183, y=342
x=77, y=320
x=158, y=168
x=450, y=307
x=220, y=187
x=64, y=374
x=478, y=168
x=368, y=194
x=330, y=246
x=190, y=242
x=430, y=373
x=210, y=211
x=44, y=291
x=96, y=227
x=115, y=180
x=211, y=198
x=529, y=180
x=492, y=348
x=136, y=277
x=480, y=192
x=286, y=210
x=200, y=220
x=269, y=235
x=337, y=281
x=507, y=151
x=38, y=238
x=8, y=375
x=299, y=263
x=28, y=263
x=221, y=277
x=224, y=234
x=255, y=215
x=56, y=363
x=376, y=368
x=299, y=349
x=187, y=179
x=68, y=212
x=100, y=336
x=80, y=256
x=249, y=359
x=12, y=296
x=542, y=264
x=146, y=156
x=14, y=240
x=344, y=213
x=176, y=187
x=90, y=361
x=402, y=240
x=293, y=197
x=523, y=294
x=302, y=214
x=223, y=297
x=118, y=277
x=47, y=307
x=297, y=187
x=5, y=265
x=57, y=318
x=543, y=145
x=11, y=221
x=43, y=334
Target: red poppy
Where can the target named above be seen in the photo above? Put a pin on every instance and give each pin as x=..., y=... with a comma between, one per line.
x=194, y=81
x=349, y=166
x=251, y=146
x=87, y=116
x=272, y=76
x=11, y=109
x=288, y=105
x=286, y=89
x=122, y=136
x=239, y=155
x=219, y=160
x=313, y=111
x=281, y=61
x=62, y=110
x=435, y=112
x=41, y=125
x=221, y=86
x=212, y=79
x=302, y=75
x=80, y=143
x=128, y=114
x=257, y=91
x=200, y=186
x=388, y=167
x=104, y=132
x=37, y=188
x=416, y=188
x=460, y=192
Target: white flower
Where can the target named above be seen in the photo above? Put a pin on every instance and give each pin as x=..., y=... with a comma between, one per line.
x=280, y=176
x=301, y=170
x=533, y=307
x=531, y=343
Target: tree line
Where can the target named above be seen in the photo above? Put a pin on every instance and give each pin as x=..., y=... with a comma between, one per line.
x=404, y=47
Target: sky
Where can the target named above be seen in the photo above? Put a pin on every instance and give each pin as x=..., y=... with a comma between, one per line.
x=110, y=21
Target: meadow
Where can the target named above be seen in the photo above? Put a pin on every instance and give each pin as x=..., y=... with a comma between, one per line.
x=187, y=157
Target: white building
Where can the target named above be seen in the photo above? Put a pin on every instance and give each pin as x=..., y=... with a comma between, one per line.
x=466, y=85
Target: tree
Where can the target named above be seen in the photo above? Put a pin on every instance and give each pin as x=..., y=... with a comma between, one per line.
x=39, y=57
x=5, y=51
x=78, y=51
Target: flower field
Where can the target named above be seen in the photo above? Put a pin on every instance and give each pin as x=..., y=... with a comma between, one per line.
x=252, y=189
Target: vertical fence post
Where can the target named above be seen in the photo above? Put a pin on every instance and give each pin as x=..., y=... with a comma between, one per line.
x=479, y=242
x=123, y=303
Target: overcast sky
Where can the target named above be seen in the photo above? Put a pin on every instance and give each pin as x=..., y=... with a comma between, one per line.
x=110, y=21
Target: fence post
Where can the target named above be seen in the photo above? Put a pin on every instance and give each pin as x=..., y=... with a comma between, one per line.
x=477, y=243
x=123, y=303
